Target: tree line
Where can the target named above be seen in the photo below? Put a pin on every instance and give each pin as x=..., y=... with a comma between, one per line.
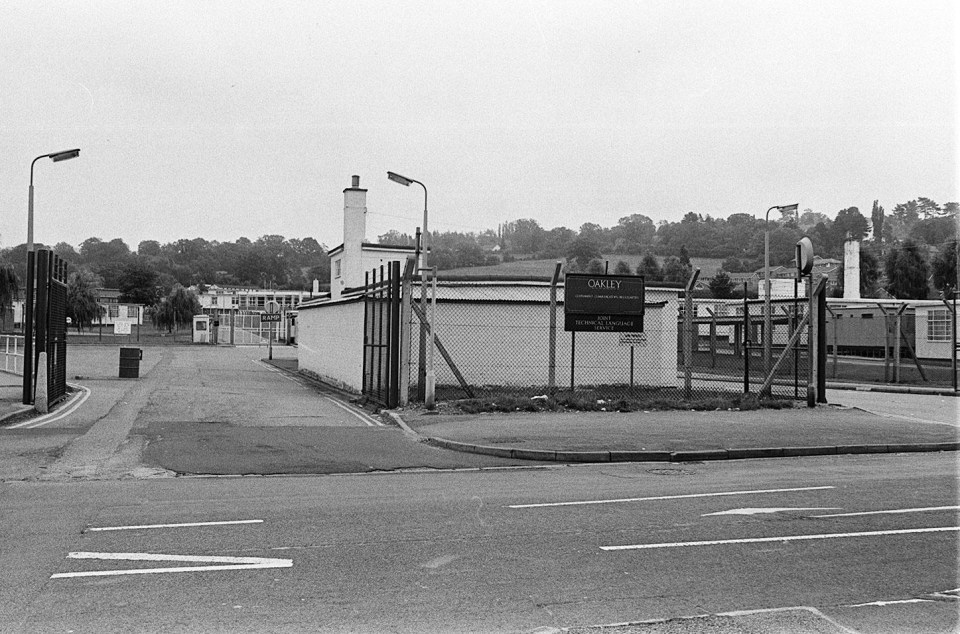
x=909, y=253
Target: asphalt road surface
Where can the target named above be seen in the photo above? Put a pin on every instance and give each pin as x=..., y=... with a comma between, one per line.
x=832, y=544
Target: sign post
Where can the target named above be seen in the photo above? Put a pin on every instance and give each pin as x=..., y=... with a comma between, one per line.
x=272, y=317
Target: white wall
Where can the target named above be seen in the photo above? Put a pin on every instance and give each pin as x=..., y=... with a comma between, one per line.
x=499, y=344
x=508, y=344
x=330, y=342
x=927, y=349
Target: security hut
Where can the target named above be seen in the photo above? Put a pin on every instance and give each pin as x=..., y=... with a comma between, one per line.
x=201, y=329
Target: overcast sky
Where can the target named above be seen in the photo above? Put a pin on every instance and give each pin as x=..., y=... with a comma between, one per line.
x=222, y=119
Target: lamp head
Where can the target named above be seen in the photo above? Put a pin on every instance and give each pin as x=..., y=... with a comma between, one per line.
x=788, y=208
x=56, y=157
x=396, y=178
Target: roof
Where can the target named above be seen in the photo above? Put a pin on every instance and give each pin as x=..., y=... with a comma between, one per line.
x=514, y=292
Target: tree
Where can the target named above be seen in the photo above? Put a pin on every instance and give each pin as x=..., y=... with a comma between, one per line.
x=148, y=247
x=83, y=298
x=906, y=272
x=633, y=234
x=650, y=269
x=583, y=249
x=138, y=284
x=876, y=220
x=622, y=268
x=176, y=309
x=675, y=271
x=9, y=292
x=850, y=222
x=945, y=269
x=721, y=286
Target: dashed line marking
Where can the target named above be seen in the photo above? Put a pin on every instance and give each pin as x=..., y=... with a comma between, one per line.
x=785, y=538
x=894, y=511
x=181, y=525
x=667, y=497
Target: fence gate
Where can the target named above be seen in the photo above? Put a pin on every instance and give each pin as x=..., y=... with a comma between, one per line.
x=381, y=335
x=47, y=328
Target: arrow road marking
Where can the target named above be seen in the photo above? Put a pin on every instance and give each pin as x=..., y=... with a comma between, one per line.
x=760, y=511
x=786, y=538
x=226, y=563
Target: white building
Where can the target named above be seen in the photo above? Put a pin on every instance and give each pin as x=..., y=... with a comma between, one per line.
x=496, y=332
x=353, y=259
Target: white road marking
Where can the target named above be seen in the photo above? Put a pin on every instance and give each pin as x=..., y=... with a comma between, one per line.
x=667, y=497
x=786, y=538
x=226, y=563
x=364, y=417
x=34, y=423
x=761, y=511
x=885, y=603
x=367, y=420
x=183, y=525
x=894, y=511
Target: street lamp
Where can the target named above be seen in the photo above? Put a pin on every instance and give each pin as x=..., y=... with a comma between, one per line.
x=768, y=315
x=56, y=157
x=426, y=376
x=28, y=360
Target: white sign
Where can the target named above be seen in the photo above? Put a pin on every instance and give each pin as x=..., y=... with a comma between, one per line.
x=633, y=338
x=121, y=327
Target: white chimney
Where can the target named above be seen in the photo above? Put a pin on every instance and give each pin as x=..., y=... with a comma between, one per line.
x=851, y=269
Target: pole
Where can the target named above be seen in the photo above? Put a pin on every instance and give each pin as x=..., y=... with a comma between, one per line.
x=552, y=344
x=431, y=372
x=767, y=316
x=28, y=330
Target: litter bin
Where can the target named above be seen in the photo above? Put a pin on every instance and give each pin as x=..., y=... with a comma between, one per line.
x=130, y=362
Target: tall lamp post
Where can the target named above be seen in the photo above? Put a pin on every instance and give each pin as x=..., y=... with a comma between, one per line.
x=426, y=376
x=28, y=360
x=767, y=314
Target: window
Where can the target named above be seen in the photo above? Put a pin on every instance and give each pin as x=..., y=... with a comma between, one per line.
x=114, y=310
x=132, y=312
x=866, y=316
x=213, y=300
x=336, y=268
x=938, y=325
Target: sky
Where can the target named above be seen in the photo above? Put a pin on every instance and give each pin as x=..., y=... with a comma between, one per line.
x=237, y=118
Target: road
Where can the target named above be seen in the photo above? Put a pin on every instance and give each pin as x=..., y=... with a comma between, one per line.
x=216, y=411
x=841, y=544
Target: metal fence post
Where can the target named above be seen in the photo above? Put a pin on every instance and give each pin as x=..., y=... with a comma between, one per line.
x=688, y=335
x=552, y=344
x=406, y=326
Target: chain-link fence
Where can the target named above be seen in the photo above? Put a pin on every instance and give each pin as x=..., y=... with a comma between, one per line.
x=892, y=342
x=497, y=339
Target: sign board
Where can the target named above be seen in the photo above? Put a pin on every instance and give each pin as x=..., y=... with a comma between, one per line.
x=270, y=317
x=633, y=338
x=602, y=323
x=273, y=308
x=121, y=327
x=603, y=303
x=804, y=256
x=603, y=294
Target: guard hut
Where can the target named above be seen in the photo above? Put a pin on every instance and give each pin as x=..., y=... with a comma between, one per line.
x=201, y=329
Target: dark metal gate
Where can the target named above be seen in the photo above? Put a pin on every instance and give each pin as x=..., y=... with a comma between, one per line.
x=381, y=335
x=45, y=345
